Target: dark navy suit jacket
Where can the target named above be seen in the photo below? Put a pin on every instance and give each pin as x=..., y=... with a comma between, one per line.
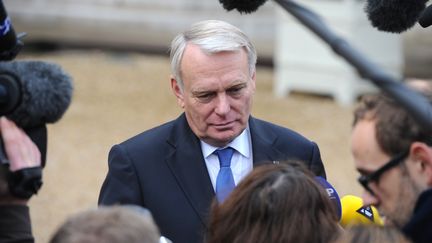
x=163, y=169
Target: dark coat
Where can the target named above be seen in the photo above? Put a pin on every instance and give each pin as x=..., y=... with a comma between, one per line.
x=419, y=228
x=163, y=169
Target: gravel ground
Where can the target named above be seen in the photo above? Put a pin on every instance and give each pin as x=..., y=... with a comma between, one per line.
x=118, y=95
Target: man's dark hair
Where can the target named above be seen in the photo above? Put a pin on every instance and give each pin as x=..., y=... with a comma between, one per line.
x=395, y=128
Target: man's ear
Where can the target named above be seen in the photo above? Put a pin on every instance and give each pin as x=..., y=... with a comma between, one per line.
x=421, y=157
x=253, y=79
x=178, y=92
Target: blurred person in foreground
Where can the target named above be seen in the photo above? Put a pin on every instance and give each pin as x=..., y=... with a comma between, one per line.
x=394, y=157
x=109, y=224
x=174, y=169
x=371, y=234
x=275, y=203
x=23, y=156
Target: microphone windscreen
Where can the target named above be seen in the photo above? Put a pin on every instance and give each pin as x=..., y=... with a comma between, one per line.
x=354, y=212
x=46, y=92
x=332, y=193
x=243, y=6
x=425, y=19
x=394, y=16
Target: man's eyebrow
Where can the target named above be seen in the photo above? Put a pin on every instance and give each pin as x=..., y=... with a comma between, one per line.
x=240, y=83
x=201, y=92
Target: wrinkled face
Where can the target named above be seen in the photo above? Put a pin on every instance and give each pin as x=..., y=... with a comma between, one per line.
x=217, y=93
x=395, y=192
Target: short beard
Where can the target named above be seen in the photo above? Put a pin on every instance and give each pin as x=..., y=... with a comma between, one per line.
x=408, y=195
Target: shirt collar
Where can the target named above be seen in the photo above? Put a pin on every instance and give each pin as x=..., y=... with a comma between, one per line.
x=240, y=144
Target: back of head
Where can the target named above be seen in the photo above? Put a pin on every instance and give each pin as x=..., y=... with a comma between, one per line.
x=109, y=224
x=371, y=234
x=274, y=203
x=212, y=36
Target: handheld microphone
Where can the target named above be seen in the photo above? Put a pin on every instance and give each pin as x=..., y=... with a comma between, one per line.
x=354, y=212
x=9, y=44
x=425, y=19
x=332, y=193
x=394, y=16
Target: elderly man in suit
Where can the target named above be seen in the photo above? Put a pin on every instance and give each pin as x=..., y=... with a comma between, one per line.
x=176, y=169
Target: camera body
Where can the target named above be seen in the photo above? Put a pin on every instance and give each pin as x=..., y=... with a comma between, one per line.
x=26, y=182
x=22, y=183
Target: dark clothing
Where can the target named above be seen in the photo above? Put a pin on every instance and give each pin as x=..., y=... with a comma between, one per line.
x=419, y=228
x=15, y=225
x=163, y=169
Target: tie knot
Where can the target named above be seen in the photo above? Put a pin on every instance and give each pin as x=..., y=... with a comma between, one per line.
x=225, y=156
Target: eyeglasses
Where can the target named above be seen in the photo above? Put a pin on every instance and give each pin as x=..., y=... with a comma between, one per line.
x=364, y=180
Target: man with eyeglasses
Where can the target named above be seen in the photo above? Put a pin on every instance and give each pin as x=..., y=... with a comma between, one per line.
x=394, y=157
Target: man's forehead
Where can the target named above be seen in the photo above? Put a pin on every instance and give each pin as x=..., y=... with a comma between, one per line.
x=363, y=137
x=366, y=151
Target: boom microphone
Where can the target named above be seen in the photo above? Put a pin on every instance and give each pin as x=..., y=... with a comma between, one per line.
x=9, y=44
x=394, y=16
x=417, y=105
x=33, y=92
x=425, y=19
x=243, y=6
x=354, y=212
x=386, y=15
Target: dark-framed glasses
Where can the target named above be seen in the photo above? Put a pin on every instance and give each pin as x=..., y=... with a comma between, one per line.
x=365, y=180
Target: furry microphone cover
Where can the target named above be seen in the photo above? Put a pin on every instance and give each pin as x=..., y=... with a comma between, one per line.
x=46, y=92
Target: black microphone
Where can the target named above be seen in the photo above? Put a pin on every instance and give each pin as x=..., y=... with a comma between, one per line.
x=394, y=16
x=418, y=106
x=386, y=15
x=425, y=19
x=243, y=6
x=33, y=93
x=9, y=44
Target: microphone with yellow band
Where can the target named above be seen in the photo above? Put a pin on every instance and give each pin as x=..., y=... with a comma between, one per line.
x=354, y=212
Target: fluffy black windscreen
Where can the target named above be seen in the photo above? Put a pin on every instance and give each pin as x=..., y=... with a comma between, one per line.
x=243, y=6
x=394, y=15
x=46, y=92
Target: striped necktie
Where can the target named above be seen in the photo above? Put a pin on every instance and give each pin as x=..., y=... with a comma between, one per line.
x=225, y=180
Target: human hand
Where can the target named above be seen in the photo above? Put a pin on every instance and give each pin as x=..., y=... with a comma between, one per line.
x=20, y=149
x=21, y=154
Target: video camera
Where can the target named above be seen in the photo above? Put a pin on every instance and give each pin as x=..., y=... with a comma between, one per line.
x=25, y=182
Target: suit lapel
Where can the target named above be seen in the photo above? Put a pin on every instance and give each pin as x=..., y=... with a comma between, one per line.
x=187, y=164
x=263, y=141
x=188, y=167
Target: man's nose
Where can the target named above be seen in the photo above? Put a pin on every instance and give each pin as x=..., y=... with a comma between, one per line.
x=223, y=105
x=369, y=199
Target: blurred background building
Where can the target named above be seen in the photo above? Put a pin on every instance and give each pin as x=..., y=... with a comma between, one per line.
x=301, y=61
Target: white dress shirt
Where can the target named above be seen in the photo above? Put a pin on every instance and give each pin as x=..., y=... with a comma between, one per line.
x=241, y=162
